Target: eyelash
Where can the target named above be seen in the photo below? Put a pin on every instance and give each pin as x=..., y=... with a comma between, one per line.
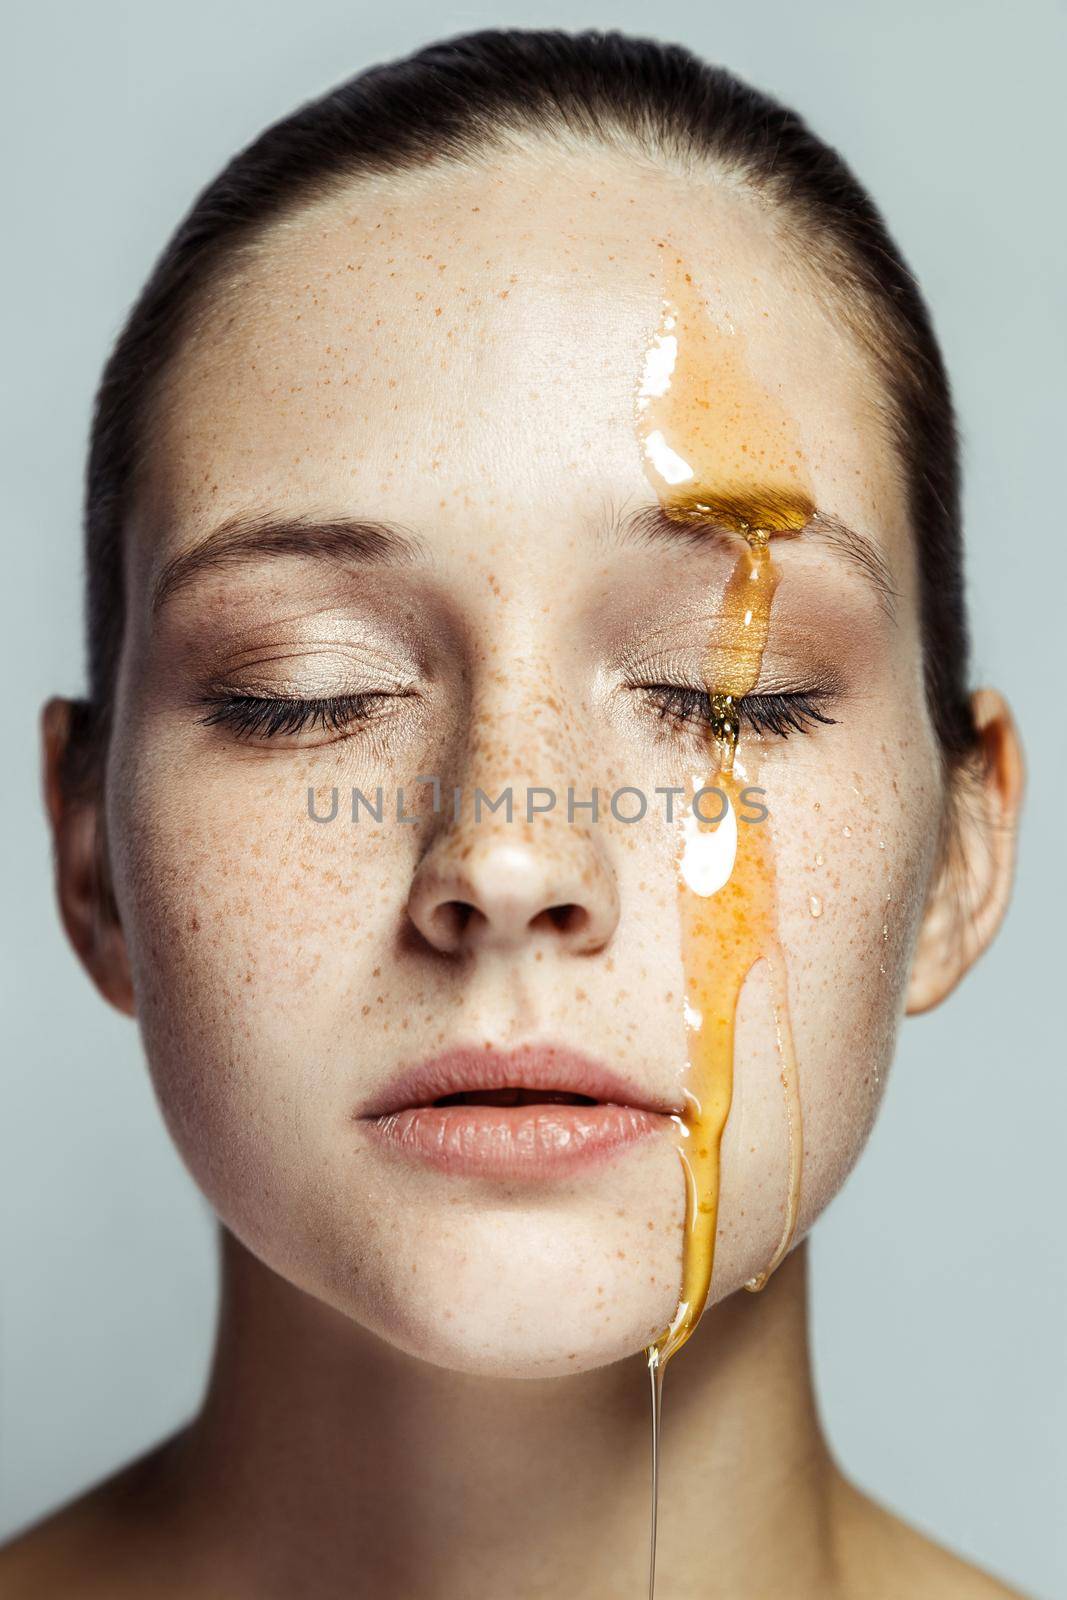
x=269, y=716
x=247, y=715
x=777, y=714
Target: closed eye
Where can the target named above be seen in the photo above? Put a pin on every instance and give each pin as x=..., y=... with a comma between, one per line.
x=269, y=716
x=776, y=714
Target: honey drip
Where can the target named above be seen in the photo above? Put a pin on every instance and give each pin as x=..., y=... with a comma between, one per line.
x=655, y=1373
x=720, y=452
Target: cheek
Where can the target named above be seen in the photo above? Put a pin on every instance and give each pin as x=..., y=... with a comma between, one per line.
x=256, y=939
x=854, y=850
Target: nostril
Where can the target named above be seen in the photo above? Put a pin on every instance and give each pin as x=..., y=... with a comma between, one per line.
x=450, y=921
x=505, y=894
x=569, y=918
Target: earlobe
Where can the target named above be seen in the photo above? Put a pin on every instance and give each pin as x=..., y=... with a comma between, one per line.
x=82, y=876
x=967, y=902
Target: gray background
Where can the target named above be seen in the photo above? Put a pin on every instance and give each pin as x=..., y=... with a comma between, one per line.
x=940, y=1282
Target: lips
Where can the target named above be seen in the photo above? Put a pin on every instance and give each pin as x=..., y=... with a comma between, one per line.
x=531, y=1111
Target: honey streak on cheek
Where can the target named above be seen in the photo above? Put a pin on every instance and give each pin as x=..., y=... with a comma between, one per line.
x=707, y=434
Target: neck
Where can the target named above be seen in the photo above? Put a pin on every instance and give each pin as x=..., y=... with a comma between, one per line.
x=324, y=1461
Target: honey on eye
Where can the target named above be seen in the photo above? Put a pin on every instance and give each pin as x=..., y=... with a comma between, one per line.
x=715, y=446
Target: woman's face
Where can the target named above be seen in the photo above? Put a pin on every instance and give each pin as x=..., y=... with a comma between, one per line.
x=459, y=358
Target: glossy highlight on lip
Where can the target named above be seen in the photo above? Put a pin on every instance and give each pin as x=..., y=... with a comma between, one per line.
x=535, y=1110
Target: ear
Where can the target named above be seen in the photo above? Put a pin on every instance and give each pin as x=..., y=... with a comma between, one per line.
x=82, y=874
x=970, y=893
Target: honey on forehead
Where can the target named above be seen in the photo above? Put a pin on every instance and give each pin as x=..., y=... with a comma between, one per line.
x=716, y=445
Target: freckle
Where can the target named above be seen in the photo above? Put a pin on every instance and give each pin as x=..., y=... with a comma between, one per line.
x=648, y=1225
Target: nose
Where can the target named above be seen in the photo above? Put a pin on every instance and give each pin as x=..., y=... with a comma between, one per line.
x=517, y=883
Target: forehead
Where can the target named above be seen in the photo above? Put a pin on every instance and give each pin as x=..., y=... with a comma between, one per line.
x=439, y=347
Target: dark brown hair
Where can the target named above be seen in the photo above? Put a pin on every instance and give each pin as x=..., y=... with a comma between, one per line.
x=477, y=92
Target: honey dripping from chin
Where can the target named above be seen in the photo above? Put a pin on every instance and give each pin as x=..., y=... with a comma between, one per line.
x=720, y=452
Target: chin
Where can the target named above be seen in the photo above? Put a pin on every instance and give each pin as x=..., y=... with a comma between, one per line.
x=501, y=1342
x=527, y=1296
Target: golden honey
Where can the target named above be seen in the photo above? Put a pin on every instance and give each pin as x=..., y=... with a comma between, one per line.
x=720, y=451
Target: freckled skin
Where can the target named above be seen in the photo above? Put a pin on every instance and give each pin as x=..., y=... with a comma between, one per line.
x=456, y=353
x=497, y=430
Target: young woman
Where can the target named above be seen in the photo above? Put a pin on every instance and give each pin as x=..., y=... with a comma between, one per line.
x=550, y=417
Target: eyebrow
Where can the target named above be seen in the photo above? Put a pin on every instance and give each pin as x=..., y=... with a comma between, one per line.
x=245, y=537
x=706, y=517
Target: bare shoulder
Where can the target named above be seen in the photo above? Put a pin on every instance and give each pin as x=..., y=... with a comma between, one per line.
x=881, y=1555
x=110, y=1541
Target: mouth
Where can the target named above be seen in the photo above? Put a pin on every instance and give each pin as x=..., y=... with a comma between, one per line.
x=517, y=1096
x=529, y=1112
